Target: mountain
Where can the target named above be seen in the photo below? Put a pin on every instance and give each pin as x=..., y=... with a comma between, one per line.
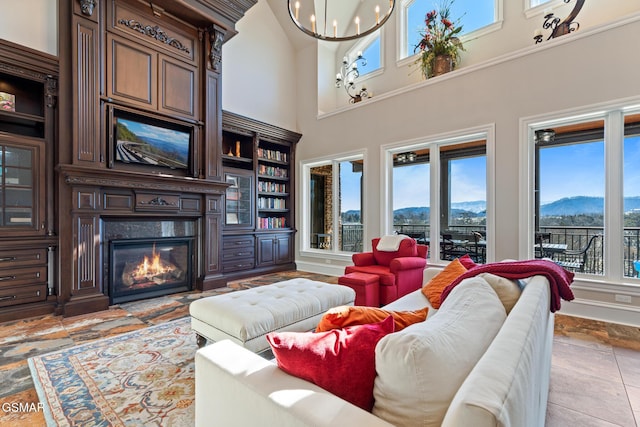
x=573, y=206
x=579, y=205
x=584, y=205
x=479, y=206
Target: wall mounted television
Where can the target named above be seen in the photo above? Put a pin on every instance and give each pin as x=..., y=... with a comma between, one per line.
x=151, y=143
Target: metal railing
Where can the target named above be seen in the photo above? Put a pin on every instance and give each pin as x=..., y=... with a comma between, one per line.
x=351, y=238
x=575, y=238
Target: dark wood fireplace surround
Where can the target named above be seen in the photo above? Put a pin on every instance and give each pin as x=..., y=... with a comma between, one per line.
x=160, y=60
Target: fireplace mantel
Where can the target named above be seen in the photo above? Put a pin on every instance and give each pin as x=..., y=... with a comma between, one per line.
x=87, y=176
x=116, y=58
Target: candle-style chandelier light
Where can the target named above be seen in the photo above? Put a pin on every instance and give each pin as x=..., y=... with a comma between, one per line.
x=339, y=20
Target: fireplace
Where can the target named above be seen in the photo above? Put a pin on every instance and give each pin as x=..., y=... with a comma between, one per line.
x=145, y=268
x=148, y=258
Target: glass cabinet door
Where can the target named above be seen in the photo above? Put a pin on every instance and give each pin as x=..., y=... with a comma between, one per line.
x=238, y=200
x=16, y=186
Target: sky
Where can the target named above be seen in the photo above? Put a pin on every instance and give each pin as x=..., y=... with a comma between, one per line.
x=567, y=171
x=471, y=14
x=156, y=132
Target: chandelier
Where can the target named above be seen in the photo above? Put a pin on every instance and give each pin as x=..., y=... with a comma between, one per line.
x=347, y=76
x=339, y=20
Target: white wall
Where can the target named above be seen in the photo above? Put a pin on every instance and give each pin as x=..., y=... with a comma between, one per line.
x=32, y=23
x=564, y=74
x=516, y=33
x=259, y=70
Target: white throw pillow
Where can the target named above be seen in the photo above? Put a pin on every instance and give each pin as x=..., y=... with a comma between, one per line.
x=420, y=368
x=508, y=290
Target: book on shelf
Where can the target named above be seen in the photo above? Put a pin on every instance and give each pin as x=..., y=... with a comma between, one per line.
x=272, y=222
x=273, y=171
x=265, y=154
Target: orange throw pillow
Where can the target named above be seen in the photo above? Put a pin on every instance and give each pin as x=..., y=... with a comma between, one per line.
x=436, y=285
x=343, y=316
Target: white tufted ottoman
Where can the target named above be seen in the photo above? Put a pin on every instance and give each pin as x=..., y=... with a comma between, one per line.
x=247, y=316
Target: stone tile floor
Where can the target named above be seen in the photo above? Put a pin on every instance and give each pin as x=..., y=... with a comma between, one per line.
x=595, y=377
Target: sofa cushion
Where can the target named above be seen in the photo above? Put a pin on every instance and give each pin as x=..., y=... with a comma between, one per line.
x=507, y=290
x=340, y=361
x=421, y=368
x=436, y=285
x=408, y=247
x=349, y=315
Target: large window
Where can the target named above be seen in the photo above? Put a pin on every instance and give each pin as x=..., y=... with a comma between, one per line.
x=439, y=194
x=570, y=195
x=334, y=204
x=473, y=15
x=585, y=210
x=631, y=201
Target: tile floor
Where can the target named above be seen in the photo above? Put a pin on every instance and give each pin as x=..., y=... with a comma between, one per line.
x=595, y=377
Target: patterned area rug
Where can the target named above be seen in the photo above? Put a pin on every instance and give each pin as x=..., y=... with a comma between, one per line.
x=145, y=377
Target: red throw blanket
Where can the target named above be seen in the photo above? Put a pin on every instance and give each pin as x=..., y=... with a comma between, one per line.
x=559, y=278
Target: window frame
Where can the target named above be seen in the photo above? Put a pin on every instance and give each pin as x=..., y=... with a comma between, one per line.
x=613, y=116
x=361, y=46
x=305, y=167
x=402, y=33
x=433, y=143
x=531, y=11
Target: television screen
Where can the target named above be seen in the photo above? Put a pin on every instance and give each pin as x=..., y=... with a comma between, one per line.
x=151, y=144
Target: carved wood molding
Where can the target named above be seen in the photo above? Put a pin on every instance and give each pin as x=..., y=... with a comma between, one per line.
x=51, y=91
x=77, y=175
x=231, y=9
x=216, y=39
x=154, y=32
x=22, y=72
x=87, y=6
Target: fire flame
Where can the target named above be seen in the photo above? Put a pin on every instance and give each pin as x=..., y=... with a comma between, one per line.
x=151, y=267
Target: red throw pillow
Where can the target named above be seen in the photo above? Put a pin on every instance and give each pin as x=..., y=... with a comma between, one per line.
x=350, y=315
x=341, y=361
x=467, y=261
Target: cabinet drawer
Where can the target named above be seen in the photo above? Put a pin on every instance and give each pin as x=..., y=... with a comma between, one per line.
x=237, y=252
x=22, y=276
x=22, y=294
x=22, y=257
x=229, y=243
x=239, y=264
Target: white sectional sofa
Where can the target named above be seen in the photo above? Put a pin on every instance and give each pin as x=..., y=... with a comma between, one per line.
x=506, y=383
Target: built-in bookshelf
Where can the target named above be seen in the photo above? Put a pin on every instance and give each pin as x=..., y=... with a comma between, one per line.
x=257, y=160
x=28, y=91
x=273, y=182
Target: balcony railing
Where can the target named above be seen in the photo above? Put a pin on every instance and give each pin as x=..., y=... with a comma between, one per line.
x=575, y=238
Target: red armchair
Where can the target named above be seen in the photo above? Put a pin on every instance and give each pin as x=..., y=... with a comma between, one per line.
x=399, y=272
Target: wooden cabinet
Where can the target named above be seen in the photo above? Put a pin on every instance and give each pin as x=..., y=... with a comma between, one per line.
x=238, y=253
x=151, y=62
x=27, y=143
x=274, y=249
x=258, y=162
x=139, y=76
x=239, y=198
